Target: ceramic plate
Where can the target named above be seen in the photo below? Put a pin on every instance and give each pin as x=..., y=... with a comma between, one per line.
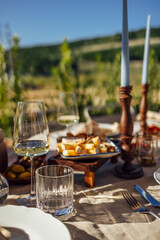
x=109, y=130
x=108, y=126
x=35, y=224
x=95, y=156
x=157, y=175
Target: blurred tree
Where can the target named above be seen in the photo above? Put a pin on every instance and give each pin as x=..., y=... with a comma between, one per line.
x=100, y=68
x=67, y=75
x=117, y=69
x=5, y=105
x=154, y=83
x=16, y=67
x=114, y=81
x=2, y=74
x=10, y=93
x=64, y=72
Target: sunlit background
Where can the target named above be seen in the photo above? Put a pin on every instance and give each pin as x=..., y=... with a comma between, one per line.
x=46, y=44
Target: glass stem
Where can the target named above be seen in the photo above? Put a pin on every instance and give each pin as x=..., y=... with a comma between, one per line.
x=68, y=128
x=33, y=187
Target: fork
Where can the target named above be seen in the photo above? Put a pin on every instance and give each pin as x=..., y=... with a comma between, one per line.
x=135, y=205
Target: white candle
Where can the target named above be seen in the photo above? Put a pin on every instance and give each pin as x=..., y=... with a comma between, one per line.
x=125, y=81
x=146, y=53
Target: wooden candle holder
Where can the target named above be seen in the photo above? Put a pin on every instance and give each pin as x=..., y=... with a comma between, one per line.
x=127, y=170
x=144, y=107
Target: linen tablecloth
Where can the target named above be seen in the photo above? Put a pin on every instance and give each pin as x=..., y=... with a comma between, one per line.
x=101, y=212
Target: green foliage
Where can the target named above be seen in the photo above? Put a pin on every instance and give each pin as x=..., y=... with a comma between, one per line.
x=117, y=69
x=16, y=66
x=5, y=112
x=64, y=71
x=2, y=64
x=41, y=60
x=154, y=83
x=94, y=76
x=136, y=53
x=100, y=69
x=156, y=49
x=67, y=74
x=9, y=94
x=114, y=79
x=155, y=32
x=106, y=55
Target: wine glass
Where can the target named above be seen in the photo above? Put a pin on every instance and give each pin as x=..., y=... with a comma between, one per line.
x=30, y=138
x=67, y=109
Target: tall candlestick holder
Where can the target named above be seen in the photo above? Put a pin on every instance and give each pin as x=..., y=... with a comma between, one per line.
x=144, y=107
x=127, y=170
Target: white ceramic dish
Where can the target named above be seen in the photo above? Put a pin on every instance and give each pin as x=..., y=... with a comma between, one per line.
x=34, y=222
x=95, y=156
x=157, y=175
x=109, y=126
x=106, y=128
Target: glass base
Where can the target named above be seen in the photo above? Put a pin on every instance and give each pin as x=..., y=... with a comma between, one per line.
x=62, y=214
x=27, y=200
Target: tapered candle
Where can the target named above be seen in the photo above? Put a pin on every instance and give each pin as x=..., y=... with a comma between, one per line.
x=146, y=53
x=125, y=81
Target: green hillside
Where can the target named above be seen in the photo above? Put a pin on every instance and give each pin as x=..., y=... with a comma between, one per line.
x=40, y=60
x=90, y=67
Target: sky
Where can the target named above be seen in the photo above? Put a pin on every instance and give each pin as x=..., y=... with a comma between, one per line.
x=45, y=22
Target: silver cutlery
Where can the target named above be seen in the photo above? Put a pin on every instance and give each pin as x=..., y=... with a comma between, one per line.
x=148, y=197
x=135, y=205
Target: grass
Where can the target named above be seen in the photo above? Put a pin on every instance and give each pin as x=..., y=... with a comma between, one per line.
x=93, y=83
x=111, y=45
x=93, y=89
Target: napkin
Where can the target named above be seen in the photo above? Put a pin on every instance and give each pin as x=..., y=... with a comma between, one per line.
x=150, y=115
x=92, y=127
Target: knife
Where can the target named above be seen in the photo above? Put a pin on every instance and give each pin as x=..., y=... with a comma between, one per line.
x=147, y=196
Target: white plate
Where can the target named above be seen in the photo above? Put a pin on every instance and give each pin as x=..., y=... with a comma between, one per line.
x=95, y=156
x=34, y=222
x=106, y=128
x=109, y=126
x=157, y=175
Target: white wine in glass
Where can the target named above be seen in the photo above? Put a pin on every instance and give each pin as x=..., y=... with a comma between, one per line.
x=67, y=109
x=30, y=138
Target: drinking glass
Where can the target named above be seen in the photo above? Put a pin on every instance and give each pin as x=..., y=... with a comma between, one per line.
x=147, y=150
x=30, y=138
x=67, y=109
x=54, y=190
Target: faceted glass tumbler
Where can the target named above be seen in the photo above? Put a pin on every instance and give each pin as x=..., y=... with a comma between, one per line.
x=54, y=190
x=147, y=146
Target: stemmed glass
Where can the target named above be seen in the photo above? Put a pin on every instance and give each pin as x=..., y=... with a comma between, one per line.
x=30, y=138
x=68, y=114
